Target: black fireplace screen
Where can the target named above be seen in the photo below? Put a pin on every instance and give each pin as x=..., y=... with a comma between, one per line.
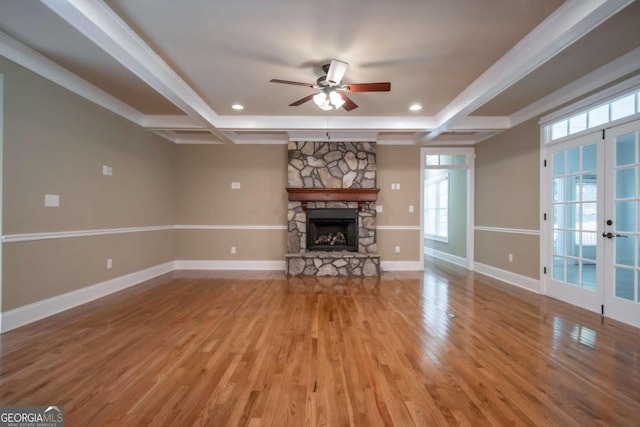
x=332, y=230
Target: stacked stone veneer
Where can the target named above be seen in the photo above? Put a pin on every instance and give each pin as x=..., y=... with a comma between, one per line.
x=332, y=165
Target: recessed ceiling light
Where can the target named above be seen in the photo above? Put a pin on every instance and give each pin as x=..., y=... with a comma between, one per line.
x=415, y=107
x=237, y=107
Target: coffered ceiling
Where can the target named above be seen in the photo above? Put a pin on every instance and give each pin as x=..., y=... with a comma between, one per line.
x=476, y=68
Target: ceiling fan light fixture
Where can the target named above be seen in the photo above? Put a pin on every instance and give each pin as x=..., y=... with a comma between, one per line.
x=336, y=99
x=322, y=100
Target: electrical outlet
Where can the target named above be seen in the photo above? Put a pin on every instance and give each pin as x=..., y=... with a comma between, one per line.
x=411, y=209
x=235, y=185
x=109, y=263
x=107, y=170
x=510, y=257
x=233, y=249
x=397, y=249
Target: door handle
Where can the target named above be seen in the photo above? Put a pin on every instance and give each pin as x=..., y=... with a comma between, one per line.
x=610, y=235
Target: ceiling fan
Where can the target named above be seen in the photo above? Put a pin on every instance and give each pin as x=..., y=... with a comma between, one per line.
x=332, y=93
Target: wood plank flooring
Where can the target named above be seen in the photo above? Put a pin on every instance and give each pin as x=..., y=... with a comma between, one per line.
x=447, y=347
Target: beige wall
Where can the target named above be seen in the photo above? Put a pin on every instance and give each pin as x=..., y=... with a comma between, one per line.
x=399, y=164
x=507, y=196
x=203, y=184
x=508, y=178
x=56, y=142
x=42, y=269
x=204, y=174
x=494, y=248
x=204, y=197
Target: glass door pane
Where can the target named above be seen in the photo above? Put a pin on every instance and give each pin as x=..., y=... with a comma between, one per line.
x=622, y=265
x=575, y=254
x=575, y=215
x=626, y=200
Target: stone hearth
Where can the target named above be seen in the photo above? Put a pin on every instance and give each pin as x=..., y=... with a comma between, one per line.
x=333, y=264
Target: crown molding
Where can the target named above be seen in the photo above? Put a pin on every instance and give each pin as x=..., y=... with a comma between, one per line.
x=568, y=23
x=107, y=30
x=32, y=60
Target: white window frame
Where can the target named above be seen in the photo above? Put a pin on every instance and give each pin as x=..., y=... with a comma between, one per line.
x=605, y=98
x=438, y=235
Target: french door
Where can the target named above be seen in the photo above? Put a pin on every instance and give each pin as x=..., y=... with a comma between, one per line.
x=594, y=231
x=621, y=236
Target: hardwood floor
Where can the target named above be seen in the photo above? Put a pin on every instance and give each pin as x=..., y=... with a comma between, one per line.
x=447, y=347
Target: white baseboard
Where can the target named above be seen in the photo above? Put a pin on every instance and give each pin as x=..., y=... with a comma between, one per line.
x=453, y=259
x=401, y=266
x=229, y=265
x=512, y=278
x=38, y=310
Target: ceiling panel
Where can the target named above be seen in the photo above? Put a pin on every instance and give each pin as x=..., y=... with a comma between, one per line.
x=35, y=25
x=429, y=50
x=608, y=41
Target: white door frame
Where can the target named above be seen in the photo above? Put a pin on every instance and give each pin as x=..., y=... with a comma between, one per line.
x=1, y=174
x=470, y=166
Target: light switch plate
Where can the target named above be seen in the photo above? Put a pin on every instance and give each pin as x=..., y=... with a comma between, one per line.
x=51, y=200
x=378, y=208
x=411, y=208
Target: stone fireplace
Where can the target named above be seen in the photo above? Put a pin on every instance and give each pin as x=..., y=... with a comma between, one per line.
x=331, y=212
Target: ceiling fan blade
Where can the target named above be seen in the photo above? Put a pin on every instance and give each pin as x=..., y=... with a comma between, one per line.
x=288, y=82
x=302, y=100
x=348, y=103
x=369, y=87
x=336, y=72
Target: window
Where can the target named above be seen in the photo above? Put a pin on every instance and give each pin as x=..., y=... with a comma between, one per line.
x=446, y=159
x=624, y=106
x=436, y=208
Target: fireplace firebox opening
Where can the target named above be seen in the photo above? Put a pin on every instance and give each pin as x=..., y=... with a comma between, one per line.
x=332, y=230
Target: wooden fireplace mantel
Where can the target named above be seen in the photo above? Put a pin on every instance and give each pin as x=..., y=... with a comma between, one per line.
x=359, y=195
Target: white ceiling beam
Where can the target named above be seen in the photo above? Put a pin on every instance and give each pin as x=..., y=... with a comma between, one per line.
x=333, y=135
x=481, y=123
x=272, y=123
x=568, y=23
x=107, y=30
x=176, y=122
